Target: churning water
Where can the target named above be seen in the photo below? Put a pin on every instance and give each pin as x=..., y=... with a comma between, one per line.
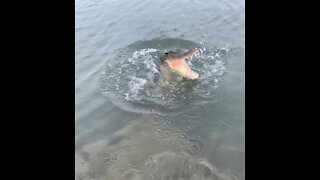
x=133, y=81
x=133, y=124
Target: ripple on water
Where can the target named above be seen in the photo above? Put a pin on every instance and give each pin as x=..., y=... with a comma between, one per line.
x=131, y=79
x=163, y=133
x=107, y=159
x=170, y=165
x=136, y=174
x=196, y=147
x=110, y=158
x=129, y=119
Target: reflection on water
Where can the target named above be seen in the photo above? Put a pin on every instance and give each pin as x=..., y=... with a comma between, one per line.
x=132, y=124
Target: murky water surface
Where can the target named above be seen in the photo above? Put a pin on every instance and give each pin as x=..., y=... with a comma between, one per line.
x=130, y=122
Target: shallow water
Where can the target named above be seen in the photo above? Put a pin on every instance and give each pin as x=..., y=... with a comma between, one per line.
x=130, y=123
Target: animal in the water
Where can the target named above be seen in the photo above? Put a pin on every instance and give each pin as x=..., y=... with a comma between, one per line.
x=173, y=64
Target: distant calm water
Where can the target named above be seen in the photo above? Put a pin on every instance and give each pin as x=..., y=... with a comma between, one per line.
x=131, y=125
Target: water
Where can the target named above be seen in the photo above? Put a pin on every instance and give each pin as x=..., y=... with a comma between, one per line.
x=130, y=123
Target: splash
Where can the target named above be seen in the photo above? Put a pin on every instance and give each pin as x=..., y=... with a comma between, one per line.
x=132, y=77
x=135, y=85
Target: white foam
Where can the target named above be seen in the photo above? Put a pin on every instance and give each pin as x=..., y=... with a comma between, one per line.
x=151, y=65
x=127, y=97
x=143, y=52
x=131, y=60
x=135, y=85
x=218, y=68
x=226, y=48
x=138, y=74
x=138, y=54
x=147, y=51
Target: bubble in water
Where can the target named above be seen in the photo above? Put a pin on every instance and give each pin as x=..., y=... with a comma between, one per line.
x=163, y=133
x=120, y=154
x=129, y=122
x=107, y=159
x=114, y=157
x=170, y=121
x=196, y=147
x=171, y=165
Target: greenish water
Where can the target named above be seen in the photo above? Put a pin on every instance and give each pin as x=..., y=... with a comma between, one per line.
x=128, y=125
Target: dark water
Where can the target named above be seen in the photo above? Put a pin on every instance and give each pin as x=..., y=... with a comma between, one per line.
x=131, y=126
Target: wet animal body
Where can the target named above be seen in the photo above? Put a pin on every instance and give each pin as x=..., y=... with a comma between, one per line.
x=173, y=64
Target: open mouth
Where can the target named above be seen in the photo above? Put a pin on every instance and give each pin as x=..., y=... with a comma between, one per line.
x=180, y=66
